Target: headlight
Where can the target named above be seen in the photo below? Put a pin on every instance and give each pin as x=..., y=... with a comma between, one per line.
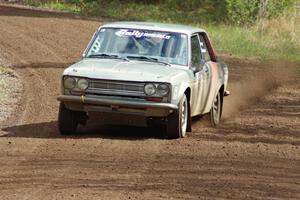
x=150, y=89
x=82, y=84
x=163, y=89
x=69, y=83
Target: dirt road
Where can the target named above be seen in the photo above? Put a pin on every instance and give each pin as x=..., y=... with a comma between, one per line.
x=255, y=154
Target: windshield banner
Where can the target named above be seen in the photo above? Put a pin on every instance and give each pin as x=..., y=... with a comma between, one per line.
x=139, y=34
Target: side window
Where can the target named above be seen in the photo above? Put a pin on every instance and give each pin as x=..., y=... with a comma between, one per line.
x=196, y=51
x=204, y=49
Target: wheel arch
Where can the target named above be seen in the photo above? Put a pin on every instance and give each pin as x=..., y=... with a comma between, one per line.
x=187, y=93
x=221, y=91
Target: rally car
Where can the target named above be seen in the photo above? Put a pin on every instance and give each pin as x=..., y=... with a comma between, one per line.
x=152, y=72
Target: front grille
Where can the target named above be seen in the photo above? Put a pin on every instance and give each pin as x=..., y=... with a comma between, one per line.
x=116, y=88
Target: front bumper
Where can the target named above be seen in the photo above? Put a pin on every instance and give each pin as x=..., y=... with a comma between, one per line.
x=117, y=105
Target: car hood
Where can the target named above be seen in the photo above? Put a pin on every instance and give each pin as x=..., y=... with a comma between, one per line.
x=114, y=69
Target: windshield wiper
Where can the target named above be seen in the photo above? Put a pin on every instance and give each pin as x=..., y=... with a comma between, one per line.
x=149, y=59
x=103, y=55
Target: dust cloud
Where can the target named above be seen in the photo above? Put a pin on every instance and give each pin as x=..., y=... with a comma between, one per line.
x=256, y=82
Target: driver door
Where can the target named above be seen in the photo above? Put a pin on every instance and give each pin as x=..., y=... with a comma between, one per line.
x=202, y=75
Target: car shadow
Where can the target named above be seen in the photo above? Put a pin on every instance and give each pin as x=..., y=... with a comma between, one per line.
x=227, y=132
x=49, y=130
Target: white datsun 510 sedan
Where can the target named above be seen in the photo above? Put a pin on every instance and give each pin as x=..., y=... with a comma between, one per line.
x=148, y=72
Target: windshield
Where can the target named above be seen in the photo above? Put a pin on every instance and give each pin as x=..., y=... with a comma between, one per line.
x=165, y=47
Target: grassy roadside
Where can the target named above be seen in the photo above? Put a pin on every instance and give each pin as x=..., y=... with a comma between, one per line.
x=278, y=41
x=55, y=6
x=247, y=42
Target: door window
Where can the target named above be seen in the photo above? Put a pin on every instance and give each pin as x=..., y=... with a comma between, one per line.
x=204, y=49
x=196, y=51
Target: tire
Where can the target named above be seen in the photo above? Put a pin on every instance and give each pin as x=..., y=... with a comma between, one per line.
x=216, y=110
x=67, y=120
x=177, y=122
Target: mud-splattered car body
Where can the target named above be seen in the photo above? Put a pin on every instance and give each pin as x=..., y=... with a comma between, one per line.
x=158, y=72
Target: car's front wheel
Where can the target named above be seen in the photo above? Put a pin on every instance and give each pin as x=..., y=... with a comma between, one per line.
x=176, y=125
x=216, y=110
x=67, y=120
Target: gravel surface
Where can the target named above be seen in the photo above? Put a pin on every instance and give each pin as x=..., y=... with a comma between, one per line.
x=10, y=91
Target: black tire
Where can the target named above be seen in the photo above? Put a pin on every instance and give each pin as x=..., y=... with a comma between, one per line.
x=216, y=110
x=67, y=120
x=176, y=124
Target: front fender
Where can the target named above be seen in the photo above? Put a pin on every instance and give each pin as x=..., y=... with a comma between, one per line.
x=178, y=92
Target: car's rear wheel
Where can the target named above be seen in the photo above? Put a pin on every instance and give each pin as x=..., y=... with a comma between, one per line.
x=67, y=120
x=216, y=110
x=176, y=125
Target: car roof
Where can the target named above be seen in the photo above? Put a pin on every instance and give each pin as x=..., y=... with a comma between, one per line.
x=155, y=26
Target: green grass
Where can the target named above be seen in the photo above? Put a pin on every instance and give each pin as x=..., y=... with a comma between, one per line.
x=54, y=6
x=147, y=12
x=247, y=42
x=60, y=6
